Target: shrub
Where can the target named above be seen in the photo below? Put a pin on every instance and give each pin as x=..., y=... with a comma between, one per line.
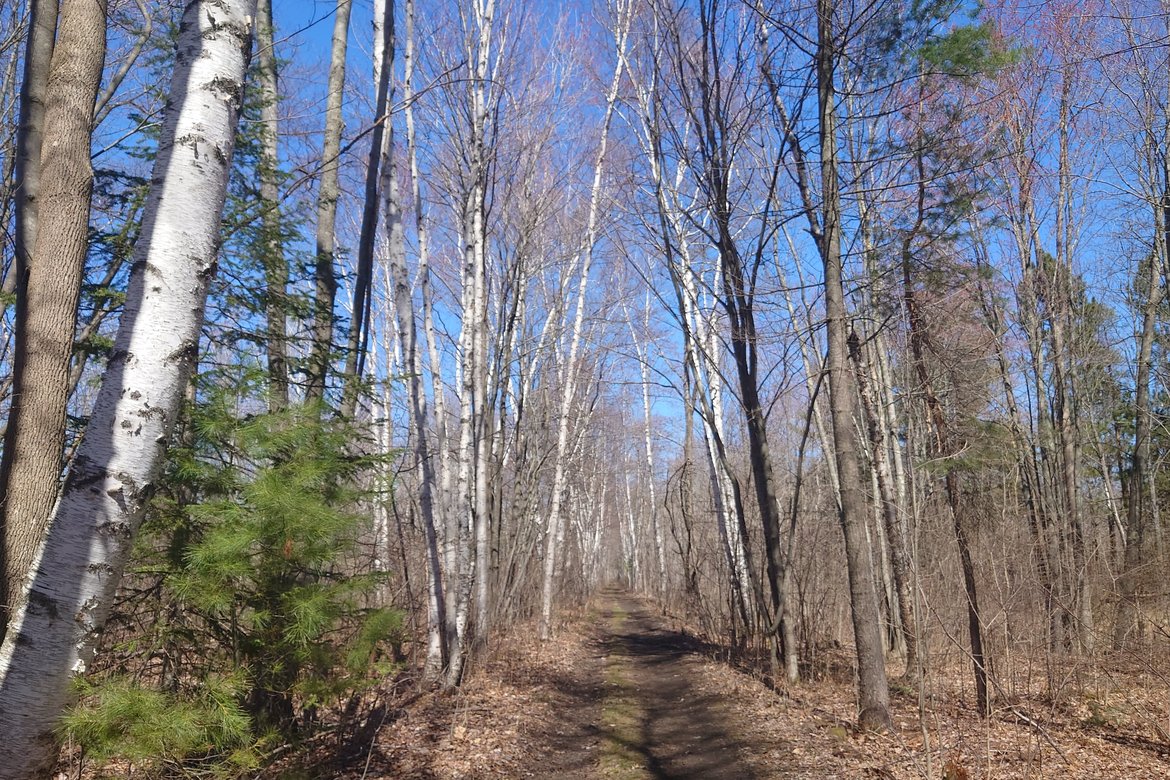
x=249, y=550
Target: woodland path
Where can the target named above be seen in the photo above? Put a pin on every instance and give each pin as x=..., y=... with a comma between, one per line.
x=617, y=694
x=648, y=718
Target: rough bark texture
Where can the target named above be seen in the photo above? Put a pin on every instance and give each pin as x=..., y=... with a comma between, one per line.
x=117, y=463
x=42, y=27
x=329, y=190
x=873, y=688
x=48, y=292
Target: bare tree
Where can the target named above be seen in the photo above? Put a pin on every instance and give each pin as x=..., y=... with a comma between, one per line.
x=42, y=30
x=873, y=690
x=328, y=193
x=554, y=529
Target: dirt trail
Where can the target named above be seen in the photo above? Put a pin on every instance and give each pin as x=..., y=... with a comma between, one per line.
x=653, y=721
x=617, y=695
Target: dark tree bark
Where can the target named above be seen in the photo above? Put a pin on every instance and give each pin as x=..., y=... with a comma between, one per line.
x=355, y=352
x=42, y=29
x=712, y=115
x=873, y=687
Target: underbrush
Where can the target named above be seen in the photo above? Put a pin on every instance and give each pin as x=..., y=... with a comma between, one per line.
x=243, y=631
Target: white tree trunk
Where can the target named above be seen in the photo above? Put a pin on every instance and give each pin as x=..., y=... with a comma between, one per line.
x=412, y=361
x=631, y=560
x=700, y=351
x=441, y=499
x=643, y=352
x=554, y=532
x=118, y=461
x=469, y=521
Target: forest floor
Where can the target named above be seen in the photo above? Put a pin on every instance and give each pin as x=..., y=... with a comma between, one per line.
x=622, y=693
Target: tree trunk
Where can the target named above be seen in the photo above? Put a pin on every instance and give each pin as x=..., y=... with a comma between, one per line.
x=1060, y=309
x=355, y=352
x=42, y=29
x=894, y=527
x=408, y=340
x=1127, y=625
x=944, y=445
x=554, y=530
x=271, y=242
x=48, y=294
x=873, y=688
x=121, y=456
x=329, y=190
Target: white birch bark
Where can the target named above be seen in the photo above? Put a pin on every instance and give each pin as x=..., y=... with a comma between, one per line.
x=700, y=349
x=118, y=461
x=629, y=534
x=554, y=532
x=469, y=522
x=405, y=321
x=484, y=99
x=422, y=233
x=643, y=353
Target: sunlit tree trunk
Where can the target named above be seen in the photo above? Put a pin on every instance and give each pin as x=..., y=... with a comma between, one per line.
x=554, y=531
x=700, y=363
x=643, y=352
x=120, y=459
x=359, y=326
x=408, y=342
x=48, y=293
x=889, y=508
x=42, y=30
x=468, y=564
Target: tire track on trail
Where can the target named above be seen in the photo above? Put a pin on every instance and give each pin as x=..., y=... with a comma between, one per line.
x=653, y=722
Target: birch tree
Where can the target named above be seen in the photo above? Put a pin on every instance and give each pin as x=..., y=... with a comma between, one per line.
x=697, y=322
x=78, y=567
x=405, y=318
x=554, y=533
